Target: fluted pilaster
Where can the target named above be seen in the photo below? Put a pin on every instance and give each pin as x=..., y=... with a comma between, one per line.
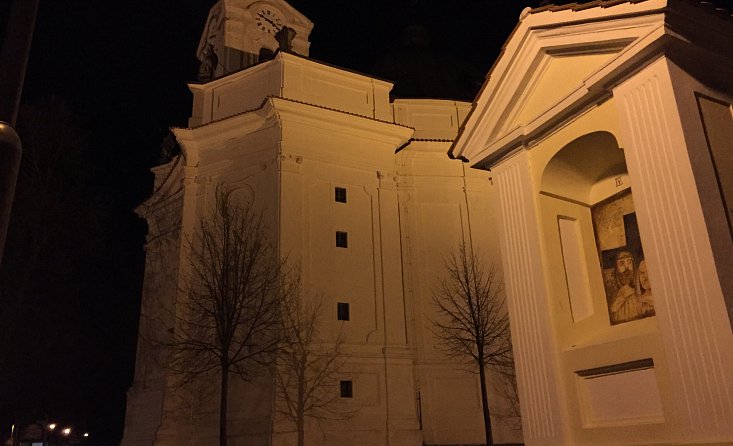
x=688, y=297
x=532, y=336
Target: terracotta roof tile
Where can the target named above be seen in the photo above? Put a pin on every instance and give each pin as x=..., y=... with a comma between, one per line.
x=431, y=140
x=712, y=6
x=582, y=6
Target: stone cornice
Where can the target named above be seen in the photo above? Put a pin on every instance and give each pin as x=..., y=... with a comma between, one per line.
x=193, y=139
x=168, y=185
x=332, y=119
x=275, y=110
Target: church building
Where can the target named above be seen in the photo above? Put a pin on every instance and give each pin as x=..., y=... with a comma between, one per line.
x=358, y=192
x=595, y=168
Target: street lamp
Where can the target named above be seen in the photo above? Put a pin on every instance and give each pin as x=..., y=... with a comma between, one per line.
x=13, y=60
x=51, y=436
x=49, y=428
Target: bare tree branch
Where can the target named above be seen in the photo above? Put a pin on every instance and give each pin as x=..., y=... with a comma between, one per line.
x=472, y=324
x=308, y=367
x=230, y=321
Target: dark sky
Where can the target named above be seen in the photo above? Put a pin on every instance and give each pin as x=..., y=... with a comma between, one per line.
x=122, y=65
x=119, y=68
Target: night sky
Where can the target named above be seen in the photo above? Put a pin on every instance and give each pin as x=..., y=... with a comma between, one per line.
x=105, y=81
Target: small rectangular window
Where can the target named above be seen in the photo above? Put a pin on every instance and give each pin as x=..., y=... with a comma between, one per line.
x=347, y=389
x=341, y=195
x=342, y=311
x=342, y=239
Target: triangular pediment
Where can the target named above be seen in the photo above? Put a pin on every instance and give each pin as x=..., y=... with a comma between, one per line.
x=554, y=64
x=557, y=75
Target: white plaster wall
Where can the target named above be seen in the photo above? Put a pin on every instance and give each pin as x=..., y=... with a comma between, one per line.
x=692, y=314
x=247, y=161
x=145, y=397
x=714, y=182
x=431, y=118
x=326, y=86
x=292, y=77
x=236, y=93
x=319, y=155
x=403, y=213
x=443, y=203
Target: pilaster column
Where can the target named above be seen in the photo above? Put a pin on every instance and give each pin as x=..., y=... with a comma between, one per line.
x=688, y=298
x=390, y=260
x=535, y=351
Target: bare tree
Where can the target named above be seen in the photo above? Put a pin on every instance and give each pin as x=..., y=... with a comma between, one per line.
x=307, y=367
x=507, y=389
x=230, y=322
x=472, y=322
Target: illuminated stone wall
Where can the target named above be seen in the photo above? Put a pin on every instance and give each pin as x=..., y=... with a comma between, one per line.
x=614, y=232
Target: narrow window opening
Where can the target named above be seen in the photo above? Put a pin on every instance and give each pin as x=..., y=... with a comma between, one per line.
x=342, y=239
x=347, y=389
x=340, y=194
x=342, y=311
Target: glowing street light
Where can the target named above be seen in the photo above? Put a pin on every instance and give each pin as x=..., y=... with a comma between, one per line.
x=51, y=426
x=66, y=431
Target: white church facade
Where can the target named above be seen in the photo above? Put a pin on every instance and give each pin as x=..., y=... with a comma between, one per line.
x=594, y=167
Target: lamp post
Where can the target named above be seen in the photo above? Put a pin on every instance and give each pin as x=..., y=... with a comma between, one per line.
x=60, y=436
x=47, y=432
x=65, y=433
x=12, y=435
x=54, y=437
x=48, y=429
x=13, y=60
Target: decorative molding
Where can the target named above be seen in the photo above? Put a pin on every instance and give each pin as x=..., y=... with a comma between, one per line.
x=617, y=368
x=488, y=132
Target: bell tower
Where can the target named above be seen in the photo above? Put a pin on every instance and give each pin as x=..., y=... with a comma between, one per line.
x=240, y=33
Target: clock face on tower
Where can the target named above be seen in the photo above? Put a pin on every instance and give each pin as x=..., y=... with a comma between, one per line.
x=268, y=19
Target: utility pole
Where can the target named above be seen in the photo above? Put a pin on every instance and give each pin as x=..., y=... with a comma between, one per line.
x=13, y=62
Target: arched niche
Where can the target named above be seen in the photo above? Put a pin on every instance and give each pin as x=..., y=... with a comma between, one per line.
x=587, y=170
x=593, y=240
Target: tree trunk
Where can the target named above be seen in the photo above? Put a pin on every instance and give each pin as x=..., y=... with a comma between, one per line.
x=223, y=405
x=301, y=430
x=485, y=404
x=300, y=422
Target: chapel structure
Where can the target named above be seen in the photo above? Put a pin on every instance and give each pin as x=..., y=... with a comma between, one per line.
x=607, y=128
x=595, y=166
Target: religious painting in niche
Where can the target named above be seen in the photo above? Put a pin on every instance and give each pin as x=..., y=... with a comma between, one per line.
x=628, y=292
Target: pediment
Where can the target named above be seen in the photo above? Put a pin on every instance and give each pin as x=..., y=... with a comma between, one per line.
x=557, y=75
x=553, y=64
